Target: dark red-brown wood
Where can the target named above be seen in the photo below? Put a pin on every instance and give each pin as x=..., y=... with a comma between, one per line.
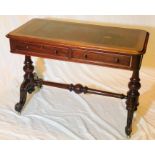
x=82, y=43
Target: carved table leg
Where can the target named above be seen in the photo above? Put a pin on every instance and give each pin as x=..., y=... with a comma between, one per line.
x=29, y=83
x=132, y=97
x=23, y=95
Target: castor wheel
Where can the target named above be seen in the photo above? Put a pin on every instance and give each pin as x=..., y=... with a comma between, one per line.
x=128, y=131
x=18, y=107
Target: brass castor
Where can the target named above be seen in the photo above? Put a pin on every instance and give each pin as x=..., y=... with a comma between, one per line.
x=128, y=131
x=18, y=107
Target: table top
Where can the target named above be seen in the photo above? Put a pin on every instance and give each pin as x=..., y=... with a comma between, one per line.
x=113, y=39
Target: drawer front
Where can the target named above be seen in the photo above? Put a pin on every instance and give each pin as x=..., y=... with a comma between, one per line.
x=103, y=58
x=73, y=54
x=57, y=51
x=42, y=49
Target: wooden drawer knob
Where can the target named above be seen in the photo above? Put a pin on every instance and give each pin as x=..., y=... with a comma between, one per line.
x=85, y=56
x=27, y=47
x=56, y=52
x=117, y=60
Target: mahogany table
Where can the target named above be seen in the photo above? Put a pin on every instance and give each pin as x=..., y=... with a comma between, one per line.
x=82, y=43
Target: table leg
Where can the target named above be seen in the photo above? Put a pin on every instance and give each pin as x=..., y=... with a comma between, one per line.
x=29, y=83
x=133, y=96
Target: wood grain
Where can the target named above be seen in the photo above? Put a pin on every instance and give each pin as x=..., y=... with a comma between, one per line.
x=83, y=43
x=112, y=39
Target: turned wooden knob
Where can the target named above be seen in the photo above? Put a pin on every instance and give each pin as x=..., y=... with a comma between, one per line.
x=117, y=60
x=56, y=51
x=85, y=56
x=27, y=47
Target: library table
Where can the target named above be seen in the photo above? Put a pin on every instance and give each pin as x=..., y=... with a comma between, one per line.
x=80, y=43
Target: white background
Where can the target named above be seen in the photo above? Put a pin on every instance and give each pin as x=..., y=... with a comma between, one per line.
x=58, y=114
x=105, y=7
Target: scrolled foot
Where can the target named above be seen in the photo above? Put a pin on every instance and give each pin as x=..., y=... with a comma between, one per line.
x=18, y=107
x=31, y=80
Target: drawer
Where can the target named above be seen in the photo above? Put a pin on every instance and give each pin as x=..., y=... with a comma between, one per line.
x=26, y=46
x=102, y=58
x=42, y=49
x=57, y=51
x=72, y=54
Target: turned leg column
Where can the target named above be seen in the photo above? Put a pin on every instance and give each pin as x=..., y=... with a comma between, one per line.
x=29, y=83
x=133, y=95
